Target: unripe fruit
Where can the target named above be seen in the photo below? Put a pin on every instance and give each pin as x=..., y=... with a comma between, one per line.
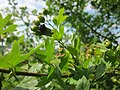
x=91, y=76
x=113, y=79
x=108, y=44
x=36, y=22
x=45, y=12
x=35, y=28
x=41, y=19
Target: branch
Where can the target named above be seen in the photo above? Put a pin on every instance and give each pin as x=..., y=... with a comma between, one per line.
x=92, y=30
x=31, y=74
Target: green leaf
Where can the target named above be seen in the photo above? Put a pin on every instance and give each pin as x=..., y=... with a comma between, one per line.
x=1, y=17
x=4, y=22
x=55, y=21
x=10, y=29
x=62, y=83
x=13, y=58
x=10, y=60
x=77, y=43
x=58, y=71
x=72, y=50
x=100, y=70
x=55, y=61
x=61, y=32
x=29, y=83
x=50, y=75
x=61, y=11
x=24, y=57
x=58, y=75
x=41, y=54
x=4, y=63
x=42, y=81
x=61, y=17
x=78, y=72
x=83, y=84
x=64, y=61
x=56, y=35
x=21, y=39
x=49, y=46
x=15, y=53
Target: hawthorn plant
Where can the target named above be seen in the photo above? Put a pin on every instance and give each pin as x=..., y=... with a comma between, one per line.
x=61, y=66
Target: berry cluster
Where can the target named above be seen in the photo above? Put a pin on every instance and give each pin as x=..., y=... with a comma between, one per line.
x=39, y=27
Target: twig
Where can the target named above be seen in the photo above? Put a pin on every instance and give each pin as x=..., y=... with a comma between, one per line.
x=31, y=74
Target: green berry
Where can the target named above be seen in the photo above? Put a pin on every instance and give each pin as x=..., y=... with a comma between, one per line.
x=108, y=44
x=41, y=19
x=35, y=28
x=113, y=79
x=91, y=76
x=45, y=12
x=37, y=22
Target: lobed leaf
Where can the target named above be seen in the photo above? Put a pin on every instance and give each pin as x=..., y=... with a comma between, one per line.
x=100, y=70
x=24, y=57
x=10, y=29
x=4, y=21
x=72, y=50
x=49, y=46
x=83, y=84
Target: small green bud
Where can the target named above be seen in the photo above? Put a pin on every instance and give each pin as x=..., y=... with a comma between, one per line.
x=45, y=12
x=36, y=22
x=41, y=19
x=35, y=28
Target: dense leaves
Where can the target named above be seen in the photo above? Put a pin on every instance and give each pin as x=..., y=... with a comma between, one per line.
x=99, y=21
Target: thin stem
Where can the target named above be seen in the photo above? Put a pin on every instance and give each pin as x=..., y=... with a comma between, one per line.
x=31, y=74
x=50, y=24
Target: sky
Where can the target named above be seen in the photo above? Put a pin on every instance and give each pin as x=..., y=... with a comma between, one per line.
x=32, y=4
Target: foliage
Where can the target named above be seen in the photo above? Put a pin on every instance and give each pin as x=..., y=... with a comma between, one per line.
x=81, y=63
x=100, y=21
